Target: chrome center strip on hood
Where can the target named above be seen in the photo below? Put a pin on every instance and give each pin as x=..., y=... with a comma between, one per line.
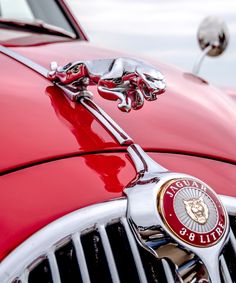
x=24, y=60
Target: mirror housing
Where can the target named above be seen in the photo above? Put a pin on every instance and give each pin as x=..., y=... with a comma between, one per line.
x=213, y=38
x=213, y=32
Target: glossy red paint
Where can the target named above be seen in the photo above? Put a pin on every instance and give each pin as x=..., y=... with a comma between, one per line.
x=192, y=117
x=33, y=197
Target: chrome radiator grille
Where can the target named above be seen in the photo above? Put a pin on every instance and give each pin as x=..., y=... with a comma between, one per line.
x=95, y=244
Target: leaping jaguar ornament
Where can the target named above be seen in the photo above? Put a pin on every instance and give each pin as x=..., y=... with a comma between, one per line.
x=127, y=80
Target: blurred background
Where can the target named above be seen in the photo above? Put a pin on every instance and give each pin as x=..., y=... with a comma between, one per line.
x=165, y=30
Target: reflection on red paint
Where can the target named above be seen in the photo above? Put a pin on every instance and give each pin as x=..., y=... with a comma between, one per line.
x=80, y=122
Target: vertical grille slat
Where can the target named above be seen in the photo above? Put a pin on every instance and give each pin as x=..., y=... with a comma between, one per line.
x=153, y=267
x=225, y=270
x=228, y=259
x=109, y=254
x=54, y=267
x=135, y=252
x=232, y=240
x=95, y=257
x=122, y=253
x=81, y=258
x=168, y=272
x=229, y=254
x=68, y=264
x=232, y=220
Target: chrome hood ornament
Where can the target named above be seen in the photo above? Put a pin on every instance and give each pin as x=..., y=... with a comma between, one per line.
x=127, y=80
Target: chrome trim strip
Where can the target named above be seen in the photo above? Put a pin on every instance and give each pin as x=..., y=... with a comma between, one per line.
x=113, y=128
x=54, y=267
x=225, y=270
x=143, y=162
x=109, y=254
x=81, y=258
x=24, y=60
x=135, y=252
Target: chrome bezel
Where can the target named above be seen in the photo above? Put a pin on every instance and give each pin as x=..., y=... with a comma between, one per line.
x=160, y=207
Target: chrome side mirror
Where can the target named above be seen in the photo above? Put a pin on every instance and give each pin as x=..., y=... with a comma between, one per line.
x=213, y=38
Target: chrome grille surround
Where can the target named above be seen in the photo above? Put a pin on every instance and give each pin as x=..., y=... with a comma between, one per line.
x=43, y=244
x=22, y=260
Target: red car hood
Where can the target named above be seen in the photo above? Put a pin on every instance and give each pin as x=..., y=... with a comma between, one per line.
x=39, y=124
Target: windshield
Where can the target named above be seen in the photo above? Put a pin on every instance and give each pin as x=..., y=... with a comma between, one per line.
x=165, y=30
x=46, y=11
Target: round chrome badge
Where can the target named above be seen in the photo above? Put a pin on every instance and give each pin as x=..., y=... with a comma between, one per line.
x=192, y=211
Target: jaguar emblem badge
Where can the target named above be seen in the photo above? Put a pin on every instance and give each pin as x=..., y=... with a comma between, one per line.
x=192, y=211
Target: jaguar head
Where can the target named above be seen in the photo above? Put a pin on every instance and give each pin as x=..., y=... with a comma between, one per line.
x=151, y=82
x=197, y=210
x=68, y=73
